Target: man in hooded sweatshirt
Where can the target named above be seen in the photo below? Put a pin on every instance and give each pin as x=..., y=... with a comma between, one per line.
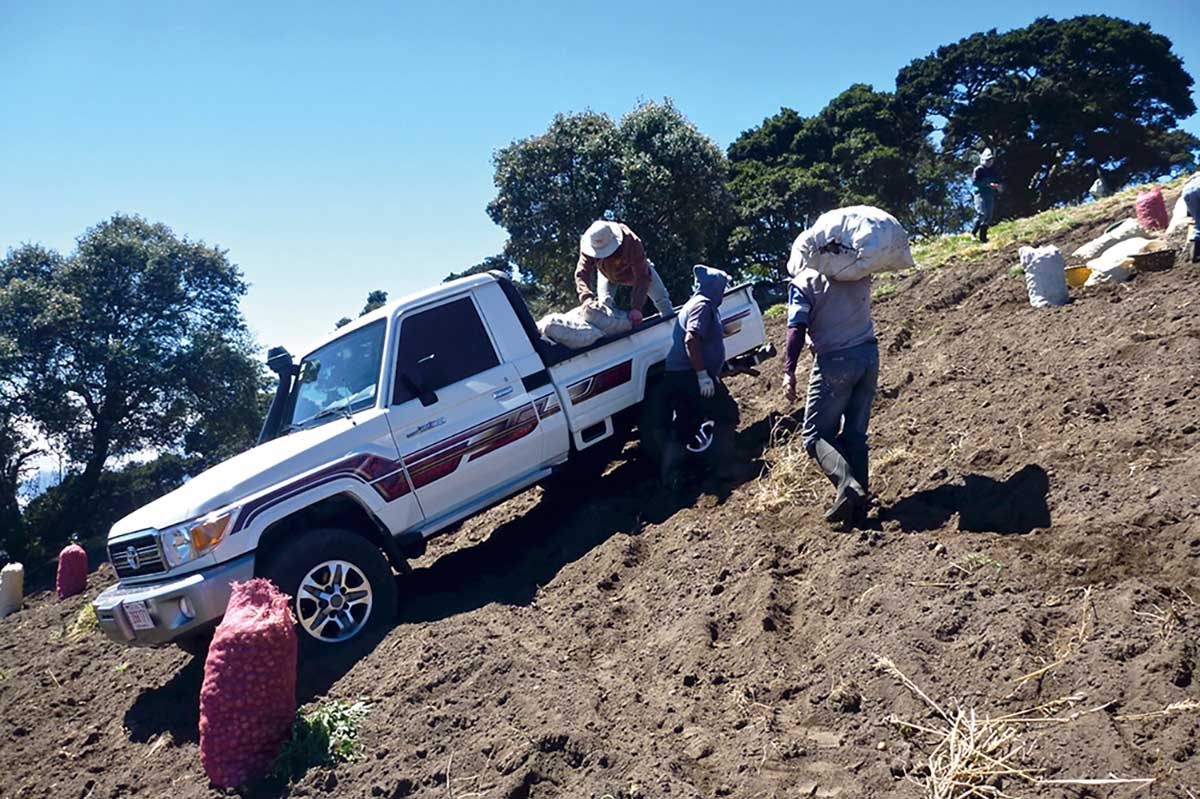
x=985, y=181
x=1191, y=201
x=835, y=316
x=694, y=391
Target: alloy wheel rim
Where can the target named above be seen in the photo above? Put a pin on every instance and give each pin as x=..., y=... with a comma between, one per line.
x=334, y=601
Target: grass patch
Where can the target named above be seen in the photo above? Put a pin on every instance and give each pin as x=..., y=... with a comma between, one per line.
x=883, y=290
x=776, y=311
x=121, y=668
x=789, y=476
x=980, y=560
x=321, y=736
x=936, y=252
x=84, y=624
x=1016, y=271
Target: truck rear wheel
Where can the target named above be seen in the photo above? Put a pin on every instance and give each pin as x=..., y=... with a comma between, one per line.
x=342, y=587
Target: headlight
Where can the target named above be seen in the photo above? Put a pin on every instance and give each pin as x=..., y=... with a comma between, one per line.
x=190, y=540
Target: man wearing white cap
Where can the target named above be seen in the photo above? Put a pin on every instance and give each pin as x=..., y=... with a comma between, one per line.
x=985, y=181
x=616, y=256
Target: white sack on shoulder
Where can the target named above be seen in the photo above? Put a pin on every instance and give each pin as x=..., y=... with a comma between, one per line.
x=1179, y=217
x=1045, y=275
x=1118, y=231
x=851, y=243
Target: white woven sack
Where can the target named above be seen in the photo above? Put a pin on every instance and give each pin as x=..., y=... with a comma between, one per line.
x=610, y=321
x=1120, y=231
x=1045, y=276
x=1179, y=217
x=850, y=243
x=12, y=588
x=570, y=329
x=1115, y=265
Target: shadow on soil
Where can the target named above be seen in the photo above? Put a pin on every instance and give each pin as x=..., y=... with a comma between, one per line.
x=525, y=553
x=983, y=504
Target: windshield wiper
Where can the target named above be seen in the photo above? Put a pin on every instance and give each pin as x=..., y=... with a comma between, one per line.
x=341, y=410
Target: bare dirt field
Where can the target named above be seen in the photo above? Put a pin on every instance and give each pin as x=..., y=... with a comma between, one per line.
x=1035, y=551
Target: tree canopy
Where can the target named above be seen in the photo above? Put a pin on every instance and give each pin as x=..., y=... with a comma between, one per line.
x=134, y=341
x=654, y=171
x=1058, y=100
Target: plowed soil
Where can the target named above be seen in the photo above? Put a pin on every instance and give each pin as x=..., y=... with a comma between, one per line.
x=1037, y=538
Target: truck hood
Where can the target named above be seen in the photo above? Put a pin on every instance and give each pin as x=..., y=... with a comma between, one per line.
x=252, y=471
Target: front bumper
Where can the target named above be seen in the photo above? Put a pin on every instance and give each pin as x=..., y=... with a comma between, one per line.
x=207, y=591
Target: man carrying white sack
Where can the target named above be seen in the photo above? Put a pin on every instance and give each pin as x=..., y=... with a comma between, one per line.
x=835, y=316
x=616, y=256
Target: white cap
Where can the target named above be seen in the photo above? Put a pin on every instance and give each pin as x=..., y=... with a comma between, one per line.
x=601, y=239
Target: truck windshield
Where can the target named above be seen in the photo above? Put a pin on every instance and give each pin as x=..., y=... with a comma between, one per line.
x=340, y=378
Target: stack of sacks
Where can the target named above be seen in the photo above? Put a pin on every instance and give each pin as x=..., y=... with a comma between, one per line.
x=851, y=243
x=12, y=588
x=1045, y=276
x=1116, y=232
x=248, y=699
x=1115, y=265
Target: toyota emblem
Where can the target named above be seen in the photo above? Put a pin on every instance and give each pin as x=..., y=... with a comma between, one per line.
x=131, y=558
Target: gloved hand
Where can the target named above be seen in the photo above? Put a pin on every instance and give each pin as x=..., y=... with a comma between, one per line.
x=789, y=386
x=635, y=317
x=587, y=299
x=707, y=386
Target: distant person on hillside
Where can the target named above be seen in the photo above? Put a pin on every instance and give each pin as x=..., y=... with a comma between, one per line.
x=616, y=256
x=694, y=390
x=1191, y=199
x=986, y=183
x=835, y=316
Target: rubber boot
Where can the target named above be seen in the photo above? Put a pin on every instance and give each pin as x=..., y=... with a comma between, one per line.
x=672, y=460
x=851, y=498
x=983, y=233
x=975, y=231
x=1196, y=252
x=725, y=454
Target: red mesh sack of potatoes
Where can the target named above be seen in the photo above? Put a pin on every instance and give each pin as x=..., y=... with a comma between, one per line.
x=72, y=571
x=248, y=699
x=1151, y=210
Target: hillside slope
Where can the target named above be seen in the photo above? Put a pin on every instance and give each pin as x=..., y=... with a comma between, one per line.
x=1038, y=474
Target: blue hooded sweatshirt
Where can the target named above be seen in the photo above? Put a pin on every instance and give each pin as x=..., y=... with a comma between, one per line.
x=700, y=317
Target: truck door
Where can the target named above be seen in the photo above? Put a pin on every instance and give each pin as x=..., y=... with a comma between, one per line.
x=462, y=420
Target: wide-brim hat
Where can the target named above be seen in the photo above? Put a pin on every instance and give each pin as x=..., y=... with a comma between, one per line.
x=601, y=239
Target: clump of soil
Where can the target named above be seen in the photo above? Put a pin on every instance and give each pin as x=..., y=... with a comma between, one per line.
x=1036, y=540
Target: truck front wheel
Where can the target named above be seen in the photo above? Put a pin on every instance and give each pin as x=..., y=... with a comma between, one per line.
x=341, y=585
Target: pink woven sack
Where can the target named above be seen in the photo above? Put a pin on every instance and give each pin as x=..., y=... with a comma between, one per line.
x=1152, y=210
x=248, y=699
x=72, y=571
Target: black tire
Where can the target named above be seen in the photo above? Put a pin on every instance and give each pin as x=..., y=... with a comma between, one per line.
x=196, y=644
x=302, y=560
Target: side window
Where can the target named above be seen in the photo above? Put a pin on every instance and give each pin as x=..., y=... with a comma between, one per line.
x=441, y=346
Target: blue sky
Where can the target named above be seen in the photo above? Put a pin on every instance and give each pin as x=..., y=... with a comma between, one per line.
x=338, y=148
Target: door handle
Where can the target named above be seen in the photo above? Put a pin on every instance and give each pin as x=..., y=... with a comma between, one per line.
x=502, y=393
x=416, y=431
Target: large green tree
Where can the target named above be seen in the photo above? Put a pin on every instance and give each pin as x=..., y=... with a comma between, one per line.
x=1058, y=100
x=654, y=171
x=134, y=341
x=861, y=148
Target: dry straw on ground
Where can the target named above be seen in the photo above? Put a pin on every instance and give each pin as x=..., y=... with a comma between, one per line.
x=789, y=476
x=973, y=756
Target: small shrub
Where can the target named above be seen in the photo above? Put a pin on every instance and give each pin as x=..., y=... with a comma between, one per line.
x=777, y=311
x=84, y=625
x=883, y=290
x=321, y=736
x=1016, y=271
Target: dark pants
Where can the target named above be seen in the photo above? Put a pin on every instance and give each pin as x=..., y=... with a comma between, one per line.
x=689, y=409
x=840, y=392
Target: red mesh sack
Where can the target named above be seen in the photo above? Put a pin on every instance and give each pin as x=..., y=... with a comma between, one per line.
x=1151, y=210
x=72, y=571
x=248, y=699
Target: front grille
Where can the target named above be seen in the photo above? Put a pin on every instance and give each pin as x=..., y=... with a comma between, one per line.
x=137, y=556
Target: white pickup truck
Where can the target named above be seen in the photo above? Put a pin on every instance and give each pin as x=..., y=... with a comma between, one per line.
x=393, y=429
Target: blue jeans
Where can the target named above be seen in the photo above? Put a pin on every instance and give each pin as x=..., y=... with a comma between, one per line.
x=840, y=392
x=985, y=207
x=1191, y=199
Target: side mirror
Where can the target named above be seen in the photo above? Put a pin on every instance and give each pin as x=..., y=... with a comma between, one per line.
x=419, y=391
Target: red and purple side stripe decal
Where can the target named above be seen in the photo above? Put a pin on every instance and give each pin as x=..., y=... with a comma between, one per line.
x=589, y=387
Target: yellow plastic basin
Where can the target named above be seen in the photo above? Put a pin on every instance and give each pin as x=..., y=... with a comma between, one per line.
x=1077, y=276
